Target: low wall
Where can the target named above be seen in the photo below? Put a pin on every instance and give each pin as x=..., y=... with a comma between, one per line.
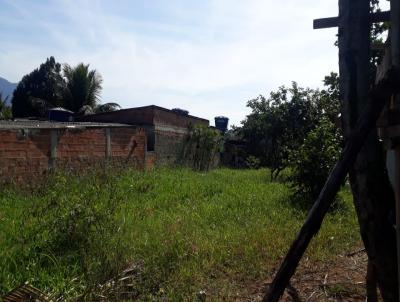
x=27, y=153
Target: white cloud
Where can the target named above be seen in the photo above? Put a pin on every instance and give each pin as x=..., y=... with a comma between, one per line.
x=230, y=52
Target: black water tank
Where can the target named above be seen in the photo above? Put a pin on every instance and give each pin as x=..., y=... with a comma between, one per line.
x=221, y=123
x=180, y=111
x=60, y=114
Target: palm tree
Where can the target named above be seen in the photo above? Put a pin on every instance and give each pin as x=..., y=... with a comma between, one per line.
x=83, y=87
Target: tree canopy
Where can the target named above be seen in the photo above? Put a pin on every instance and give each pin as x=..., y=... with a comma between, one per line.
x=83, y=87
x=280, y=123
x=38, y=90
x=5, y=110
x=74, y=88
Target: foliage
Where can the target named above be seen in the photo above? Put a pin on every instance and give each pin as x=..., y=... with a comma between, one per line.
x=75, y=88
x=107, y=107
x=279, y=124
x=185, y=231
x=5, y=111
x=312, y=162
x=83, y=87
x=296, y=128
x=328, y=101
x=201, y=146
x=39, y=90
x=379, y=32
x=252, y=162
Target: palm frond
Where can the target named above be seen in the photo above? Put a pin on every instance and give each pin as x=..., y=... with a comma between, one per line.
x=83, y=87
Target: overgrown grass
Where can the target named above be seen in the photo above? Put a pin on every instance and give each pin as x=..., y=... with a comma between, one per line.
x=184, y=232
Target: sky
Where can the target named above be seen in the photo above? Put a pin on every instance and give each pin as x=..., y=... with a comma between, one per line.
x=209, y=57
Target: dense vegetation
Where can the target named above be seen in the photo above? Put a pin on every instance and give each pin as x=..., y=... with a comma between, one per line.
x=296, y=128
x=201, y=148
x=180, y=231
x=74, y=88
x=5, y=111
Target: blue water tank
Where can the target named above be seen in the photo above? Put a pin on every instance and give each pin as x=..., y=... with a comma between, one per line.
x=221, y=123
x=60, y=114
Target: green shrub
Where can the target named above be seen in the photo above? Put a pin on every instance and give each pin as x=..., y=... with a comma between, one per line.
x=312, y=162
x=201, y=147
x=253, y=162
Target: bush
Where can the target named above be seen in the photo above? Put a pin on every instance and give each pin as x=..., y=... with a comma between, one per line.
x=312, y=162
x=253, y=162
x=201, y=147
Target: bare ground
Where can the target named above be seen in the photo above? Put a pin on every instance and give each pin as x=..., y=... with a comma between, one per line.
x=342, y=279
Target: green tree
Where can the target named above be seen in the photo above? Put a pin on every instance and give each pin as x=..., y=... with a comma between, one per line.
x=38, y=90
x=281, y=123
x=313, y=160
x=328, y=99
x=83, y=87
x=278, y=124
x=5, y=111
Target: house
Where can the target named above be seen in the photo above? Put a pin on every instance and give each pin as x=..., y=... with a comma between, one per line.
x=165, y=129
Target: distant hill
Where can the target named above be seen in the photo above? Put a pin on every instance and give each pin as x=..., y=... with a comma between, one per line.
x=7, y=89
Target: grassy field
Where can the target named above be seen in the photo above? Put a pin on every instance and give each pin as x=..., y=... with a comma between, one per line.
x=180, y=231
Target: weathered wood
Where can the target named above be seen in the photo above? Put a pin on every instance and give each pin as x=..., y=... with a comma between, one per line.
x=395, y=51
x=334, y=21
x=377, y=99
x=373, y=195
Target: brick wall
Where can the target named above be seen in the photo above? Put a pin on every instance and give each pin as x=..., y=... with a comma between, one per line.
x=20, y=155
x=148, y=115
x=165, y=129
x=32, y=152
x=168, y=144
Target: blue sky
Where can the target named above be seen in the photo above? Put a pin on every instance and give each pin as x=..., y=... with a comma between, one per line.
x=207, y=56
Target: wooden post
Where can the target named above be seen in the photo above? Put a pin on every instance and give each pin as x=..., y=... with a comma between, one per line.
x=377, y=100
x=395, y=48
x=362, y=157
x=397, y=194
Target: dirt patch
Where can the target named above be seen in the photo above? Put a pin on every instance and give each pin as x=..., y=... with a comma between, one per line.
x=342, y=279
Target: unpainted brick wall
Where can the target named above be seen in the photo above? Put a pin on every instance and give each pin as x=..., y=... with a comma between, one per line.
x=28, y=153
x=168, y=146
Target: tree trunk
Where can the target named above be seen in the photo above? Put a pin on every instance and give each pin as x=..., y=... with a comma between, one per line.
x=372, y=192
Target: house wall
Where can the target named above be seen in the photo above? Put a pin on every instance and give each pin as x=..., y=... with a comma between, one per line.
x=148, y=115
x=165, y=129
x=32, y=152
x=168, y=144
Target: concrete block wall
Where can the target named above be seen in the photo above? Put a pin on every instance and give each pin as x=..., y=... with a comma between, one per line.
x=27, y=153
